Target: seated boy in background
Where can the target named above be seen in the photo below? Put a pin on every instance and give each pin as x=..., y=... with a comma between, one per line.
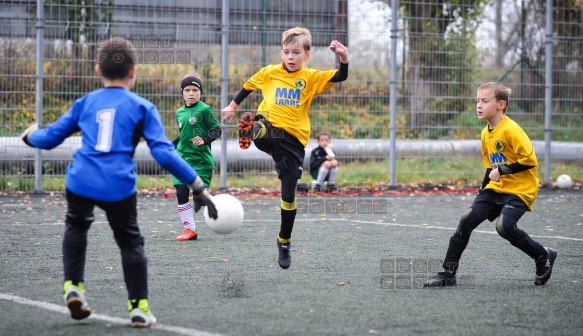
x=323, y=163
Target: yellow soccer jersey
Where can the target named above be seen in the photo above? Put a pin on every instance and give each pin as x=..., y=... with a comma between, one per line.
x=287, y=96
x=506, y=144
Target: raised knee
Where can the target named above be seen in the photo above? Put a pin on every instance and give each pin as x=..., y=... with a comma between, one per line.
x=504, y=226
x=464, y=227
x=500, y=227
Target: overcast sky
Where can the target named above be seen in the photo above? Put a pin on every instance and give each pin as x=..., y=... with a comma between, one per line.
x=370, y=24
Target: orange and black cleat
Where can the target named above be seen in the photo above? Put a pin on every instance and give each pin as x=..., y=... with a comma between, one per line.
x=246, y=130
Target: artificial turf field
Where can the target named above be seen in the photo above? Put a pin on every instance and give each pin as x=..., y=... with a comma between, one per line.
x=352, y=272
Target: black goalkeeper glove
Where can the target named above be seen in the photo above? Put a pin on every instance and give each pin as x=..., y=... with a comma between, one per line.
x=202, y=197
x=26, y=132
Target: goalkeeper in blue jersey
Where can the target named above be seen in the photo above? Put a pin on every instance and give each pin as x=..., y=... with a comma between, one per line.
x=111, y=121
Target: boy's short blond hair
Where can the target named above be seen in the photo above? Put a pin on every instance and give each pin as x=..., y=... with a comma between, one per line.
x=299, y=35
x=500, y=91
x=192, y=73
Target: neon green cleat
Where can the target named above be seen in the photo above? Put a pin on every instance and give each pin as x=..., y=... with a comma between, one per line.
x=141, y=314
x=75, y=300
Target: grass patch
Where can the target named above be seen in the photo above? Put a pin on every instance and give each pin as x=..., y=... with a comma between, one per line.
x=410, y=172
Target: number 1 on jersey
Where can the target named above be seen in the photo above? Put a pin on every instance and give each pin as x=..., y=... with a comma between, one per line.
x=105, y=119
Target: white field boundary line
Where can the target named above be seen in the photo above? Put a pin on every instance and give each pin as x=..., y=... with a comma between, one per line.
x=359, y=222
x=115, y=320
x=446, y=228
x=417, y=226
x=162, y=222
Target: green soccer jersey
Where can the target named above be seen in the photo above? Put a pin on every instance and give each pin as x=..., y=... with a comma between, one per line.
x=194, y=121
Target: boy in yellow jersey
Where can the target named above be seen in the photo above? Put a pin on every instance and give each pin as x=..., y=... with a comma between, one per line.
x=281, y=127
x=509, y=188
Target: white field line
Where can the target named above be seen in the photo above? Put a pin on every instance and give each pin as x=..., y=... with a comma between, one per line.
x=408, y=225
x=161, y=222
x=100, y=317
x=355, y=221
x=445, y=228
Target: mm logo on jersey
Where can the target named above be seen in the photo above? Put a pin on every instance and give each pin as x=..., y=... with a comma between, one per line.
x=288, y=97
x=497, y=160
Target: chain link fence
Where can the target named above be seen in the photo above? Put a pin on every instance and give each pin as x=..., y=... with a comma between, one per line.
x=445, y=50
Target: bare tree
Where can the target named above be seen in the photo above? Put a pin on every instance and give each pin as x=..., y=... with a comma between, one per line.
x=440, y=37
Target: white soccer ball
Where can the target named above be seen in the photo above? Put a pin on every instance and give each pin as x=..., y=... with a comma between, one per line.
x=230, y=214
x=564, y=181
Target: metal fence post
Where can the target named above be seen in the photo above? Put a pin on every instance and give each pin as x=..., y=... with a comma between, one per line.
x=393, y=94
x=38, y=164
x=224, y=91
x=548, y=90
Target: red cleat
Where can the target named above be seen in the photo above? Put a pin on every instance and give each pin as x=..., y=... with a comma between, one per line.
x=187, y=234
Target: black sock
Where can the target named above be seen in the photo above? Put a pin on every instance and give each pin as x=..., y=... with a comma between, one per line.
x=287, y=223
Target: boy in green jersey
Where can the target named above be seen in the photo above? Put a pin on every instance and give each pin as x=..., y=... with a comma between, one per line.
x=198, y=129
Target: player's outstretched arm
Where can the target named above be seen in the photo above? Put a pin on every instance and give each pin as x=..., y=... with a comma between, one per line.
x=229, y=112
x=27, y=131
x=340, y=50
x=53, y=135
x=202, y=197
x=342, y=73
